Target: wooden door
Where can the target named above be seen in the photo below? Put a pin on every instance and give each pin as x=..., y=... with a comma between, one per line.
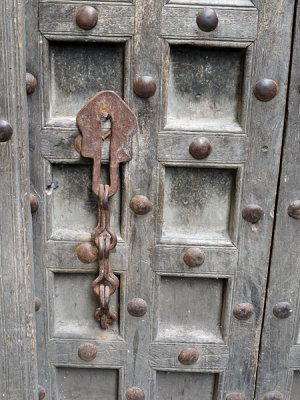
x=205, y=155
x=279, y=366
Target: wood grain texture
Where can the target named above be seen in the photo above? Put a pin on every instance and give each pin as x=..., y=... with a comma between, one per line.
x=17, y=329
x=233, y=24
x=60, y=18
x=280, y=351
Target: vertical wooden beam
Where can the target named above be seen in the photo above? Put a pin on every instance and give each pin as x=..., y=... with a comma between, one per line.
x=18, y=373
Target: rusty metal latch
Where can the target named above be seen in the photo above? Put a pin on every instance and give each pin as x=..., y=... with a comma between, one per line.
x=105, y=104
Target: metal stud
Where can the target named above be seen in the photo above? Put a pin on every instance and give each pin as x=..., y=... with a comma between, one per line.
x=137, y=307
x=31, y=83
x=282, y=310
x=135, y=393
x=207, y=20
x=37, y=304
x=140, y=204
x=34, y=203
x=87, y=352
x=41, y=392
x=200, y=148
x=294, y=209
x=265, y=89
x=144, y=86
x=274, y=395
x=188, y=356
x=252, y=213
x=236, y=396
x=194, y=257
x=6, y=130
x=86, y=17
x=243, y=311
x=87, y=253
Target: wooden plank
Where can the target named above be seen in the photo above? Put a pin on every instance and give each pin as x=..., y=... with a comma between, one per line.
x=280, y=353
x=17, y=327
x=60, y=19
x=180, y=22
x=225, y=148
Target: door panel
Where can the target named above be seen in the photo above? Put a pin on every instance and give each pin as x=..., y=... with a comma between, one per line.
x=194, y=259
x=279, y=366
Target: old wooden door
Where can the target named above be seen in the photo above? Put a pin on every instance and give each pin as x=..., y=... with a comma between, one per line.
x=206, y=157
x=279, y=367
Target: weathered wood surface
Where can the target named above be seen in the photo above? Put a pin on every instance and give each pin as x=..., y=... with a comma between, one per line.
x=181, y=22
x=242, y=169
x=280, y=350
x=60, y=18
x=18, y=373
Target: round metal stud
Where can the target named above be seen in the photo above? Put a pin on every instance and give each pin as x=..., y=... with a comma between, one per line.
x=6, y=130
x=86, y=17
x=87, y=253
x=200, y=148
x=34, y=203
x=265, y=89
x=87, y=352
x=137, y=307
x=294, y=209
x=274, y=395
x=282, y=310
x=188, y=356
x=236, y=396
x=31, y=83
x=144, y=86
x=207, y=20
x=135, y=393
x=37, y=304
x=140, y=204
x=194, y=257
x=252, y=213
x=41, y=392
x=243, y=311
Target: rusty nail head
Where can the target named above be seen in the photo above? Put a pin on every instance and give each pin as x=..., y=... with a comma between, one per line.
x=140, y=204
x=294, y=209
x=207, y=20
x=274, y=395
x=137, y=307
x=86, y=17
x=194, y=257
x=252, y=213
x=265, y=89
x=243, y=311
x=200, y=148
x=34, y=203
x=144, y=86
x=236, y=396
x=31, y=83
x=6, y=130
x=135, y=393
x=37, y=304
x=41, y=392
x=87, y=352
x=282, y=310
x=87, y=253
x=188, y=356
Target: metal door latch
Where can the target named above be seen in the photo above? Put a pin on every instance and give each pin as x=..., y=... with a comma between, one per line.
x=105, y=104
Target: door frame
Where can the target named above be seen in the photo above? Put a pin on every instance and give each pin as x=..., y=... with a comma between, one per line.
x=17, y=322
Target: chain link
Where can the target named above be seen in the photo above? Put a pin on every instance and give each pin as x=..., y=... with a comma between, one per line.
x=106, y=283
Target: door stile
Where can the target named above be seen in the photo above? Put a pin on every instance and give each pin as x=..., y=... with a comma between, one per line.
x=17, y=326
x=279, y=364
x=143, y=176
